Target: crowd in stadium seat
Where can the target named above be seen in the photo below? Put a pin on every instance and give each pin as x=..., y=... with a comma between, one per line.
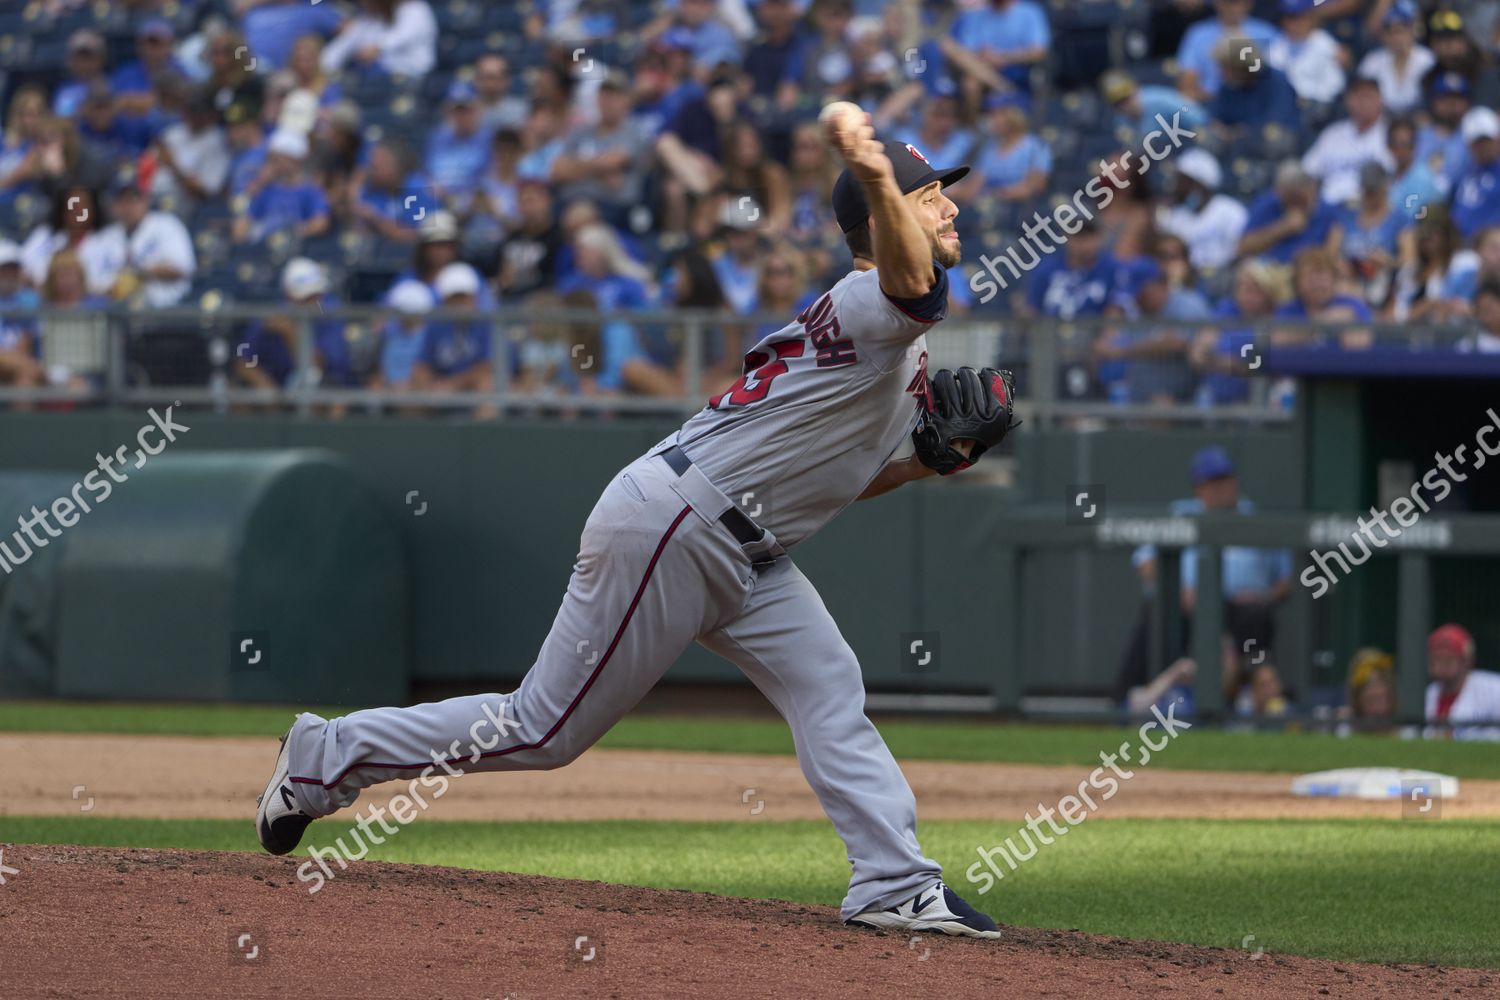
x=1343, y=166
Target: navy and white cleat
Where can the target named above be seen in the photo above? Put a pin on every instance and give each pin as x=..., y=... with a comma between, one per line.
x=279, y=820
x=937, y=908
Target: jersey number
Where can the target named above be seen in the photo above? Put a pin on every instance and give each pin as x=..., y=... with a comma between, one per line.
x=760, y=371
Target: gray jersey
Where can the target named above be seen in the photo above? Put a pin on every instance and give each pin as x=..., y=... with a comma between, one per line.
x=824, y=404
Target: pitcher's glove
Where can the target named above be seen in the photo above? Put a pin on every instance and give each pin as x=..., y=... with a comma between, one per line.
x=966, y=404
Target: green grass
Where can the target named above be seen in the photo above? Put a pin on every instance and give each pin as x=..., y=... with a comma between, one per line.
x=1359, y=890
x=1197, y=749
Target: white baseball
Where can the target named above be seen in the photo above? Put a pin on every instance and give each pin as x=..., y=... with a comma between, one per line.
x=843, y=115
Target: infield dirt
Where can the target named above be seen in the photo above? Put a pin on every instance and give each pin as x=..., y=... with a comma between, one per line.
x=112, y=922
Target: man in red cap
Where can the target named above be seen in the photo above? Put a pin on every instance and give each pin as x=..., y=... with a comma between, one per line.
x=1458, y=692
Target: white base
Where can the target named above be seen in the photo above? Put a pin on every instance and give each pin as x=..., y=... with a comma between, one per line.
x=1375, y=783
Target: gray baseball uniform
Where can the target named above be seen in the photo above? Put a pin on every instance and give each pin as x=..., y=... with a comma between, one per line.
x=666, y=559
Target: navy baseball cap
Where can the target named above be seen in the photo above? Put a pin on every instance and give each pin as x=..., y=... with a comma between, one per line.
x=1296, y=6
x=912, y=173
x=1209, y=463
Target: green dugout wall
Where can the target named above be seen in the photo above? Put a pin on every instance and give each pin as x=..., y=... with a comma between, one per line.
x=484, y=521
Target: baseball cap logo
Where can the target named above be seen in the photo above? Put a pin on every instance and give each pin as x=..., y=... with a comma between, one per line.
x=914, y=152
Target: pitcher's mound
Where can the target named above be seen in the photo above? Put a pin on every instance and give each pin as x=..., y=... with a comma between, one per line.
x=111, y=922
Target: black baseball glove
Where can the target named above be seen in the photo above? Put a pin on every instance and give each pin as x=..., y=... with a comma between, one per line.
x=977, y=406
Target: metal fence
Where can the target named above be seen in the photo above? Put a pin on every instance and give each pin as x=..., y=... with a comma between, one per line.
x=566, y=362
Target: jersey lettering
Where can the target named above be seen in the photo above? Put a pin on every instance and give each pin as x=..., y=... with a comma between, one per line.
x=823, y=329
x=920, y=387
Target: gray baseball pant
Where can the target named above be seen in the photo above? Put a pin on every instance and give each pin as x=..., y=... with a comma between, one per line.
x=655, y=572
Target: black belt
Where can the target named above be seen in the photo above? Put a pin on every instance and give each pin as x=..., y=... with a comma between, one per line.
x=744, y=530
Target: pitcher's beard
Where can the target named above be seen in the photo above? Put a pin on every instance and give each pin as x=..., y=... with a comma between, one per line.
x=946, y=252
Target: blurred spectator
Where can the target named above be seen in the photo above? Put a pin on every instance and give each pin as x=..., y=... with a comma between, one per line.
x=1458, y=693
x=1289, y=217
x=771, y=60
x=1252, y=93
x=1486, y=338
x=1372, y=231
x=607, y=162
x=282, y=199
x=456, y=352
x=146, y=251
x=1345, y=146
x=1080, y=281
x=938, y=131
x=1399, y=64
x=689, y=148
x=1015, y=164
x=1143, y=364
x=272, y=27
x=1314, y=63
x=135, y=84
x=1143, y=108
x=821, y=69
x=711, y=41
x=72, y=225
x=398, y=37
x=1221, y=354
x=192, y=157
x=437, y=247
x=85, y=65
x=1011, y=36
x=268, y=355
x=1422, y=281
x=1472, y=268
x=749, y=172
x=404, y=335
x=1125, y=218
x=528, y=257
x=495, y=210
x=1371, y=689
x=306, y=67
x=19, y=365
x=391, y=195
x=810, y=180
x=1476, y=192
x=602, y=265
x=1209, y=222
x=1456, y=52
x=20, y=156
x=737, y=259
x=458, y=150
x=1413, y=185
x=1316, y=297
x=1440, y=143
x=1198, y=75
x=337, y=153
x=498, y=107
x=541, y=141
x=73, y=318
x=232, y=70
x=247, y=147
x=118, y=138
x=1253, y=583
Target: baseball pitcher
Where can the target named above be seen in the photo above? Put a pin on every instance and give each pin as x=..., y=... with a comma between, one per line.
x=667, y=559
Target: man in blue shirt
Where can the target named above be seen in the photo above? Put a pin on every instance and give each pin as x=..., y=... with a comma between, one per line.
x=1010, y=36
x=768, y=61
x=135, y=83
x=458, y=151
x=282, y=198
x=1199, y=78
x=1080, y=280
x=1253, y=583
x=1138, y=107
x=456, y=354
x=1252, y=93
x=18, y=356
x=1476, y=193
x=85, y=66
x=1289, y=217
